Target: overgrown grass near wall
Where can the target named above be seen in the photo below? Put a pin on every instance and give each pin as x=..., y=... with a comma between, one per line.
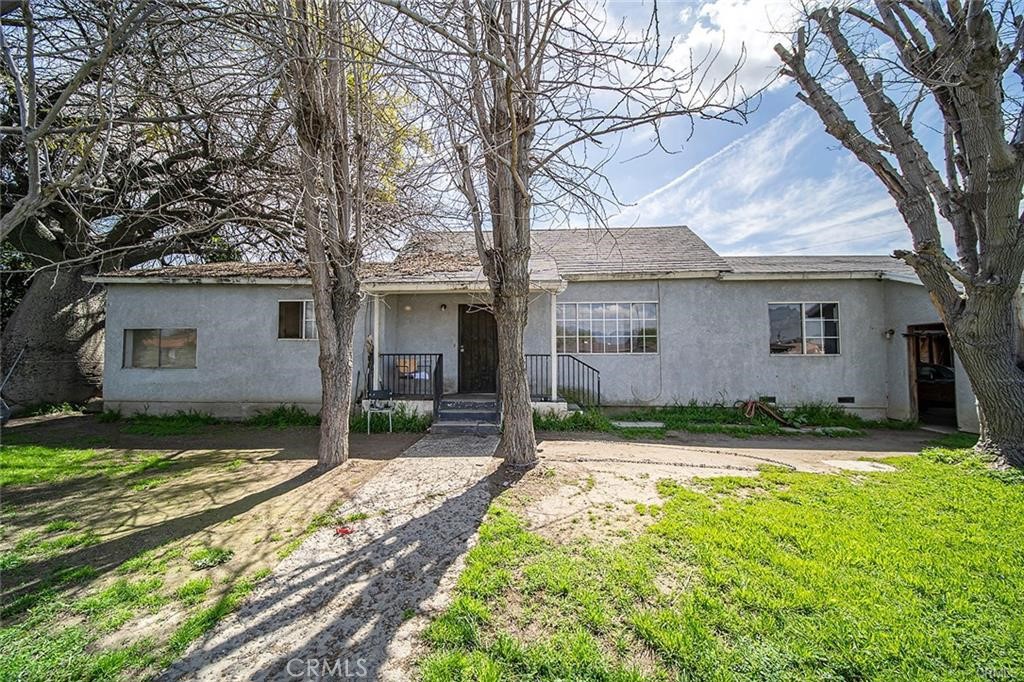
x=827, y=420
x=281, y=417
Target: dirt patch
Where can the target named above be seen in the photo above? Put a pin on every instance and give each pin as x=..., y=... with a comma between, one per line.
x=601, y=486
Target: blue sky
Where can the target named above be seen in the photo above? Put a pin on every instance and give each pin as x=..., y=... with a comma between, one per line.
x=778, y=185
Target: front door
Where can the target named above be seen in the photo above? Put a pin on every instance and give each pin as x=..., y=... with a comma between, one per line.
x=478, y=350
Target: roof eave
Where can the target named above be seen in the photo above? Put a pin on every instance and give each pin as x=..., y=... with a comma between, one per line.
x=876, y=275
x=476, y=286
x=668, y=274
x=101, y=279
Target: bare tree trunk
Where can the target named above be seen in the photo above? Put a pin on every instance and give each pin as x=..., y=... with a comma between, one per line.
x=518, y=444
x=983, y=337
x=59, y=323
x=336, y=380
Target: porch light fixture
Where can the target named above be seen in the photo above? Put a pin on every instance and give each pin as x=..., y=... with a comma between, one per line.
x=407, y=307
x=444, y=307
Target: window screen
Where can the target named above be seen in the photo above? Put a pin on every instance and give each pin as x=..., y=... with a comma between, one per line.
x=295, y=320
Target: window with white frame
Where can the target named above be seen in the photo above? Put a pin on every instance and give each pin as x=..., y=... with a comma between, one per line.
x=804, y=328
x=160, y=348
x=295, y=320
x=607, y=327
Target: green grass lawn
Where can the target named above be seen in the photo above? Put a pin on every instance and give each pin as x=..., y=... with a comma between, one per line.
x=912, y=575
x=56, y=629
x=29, y=463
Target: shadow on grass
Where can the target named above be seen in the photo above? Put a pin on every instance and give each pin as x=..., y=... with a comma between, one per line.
x=403, y=566
x=106, y=556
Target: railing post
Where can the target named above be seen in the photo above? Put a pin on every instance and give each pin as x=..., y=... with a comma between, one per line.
x=554, y=348
x=376, y=342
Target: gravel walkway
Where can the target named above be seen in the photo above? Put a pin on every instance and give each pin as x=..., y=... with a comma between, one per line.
x=351, y=607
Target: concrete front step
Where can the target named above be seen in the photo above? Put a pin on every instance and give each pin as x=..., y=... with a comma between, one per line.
x=464, y=427
x=463, y=404
x=453, y=415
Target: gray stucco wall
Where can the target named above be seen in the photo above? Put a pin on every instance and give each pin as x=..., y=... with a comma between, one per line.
x=713, y=344
x=241, y=365
x=714, y=337
x=415, y=323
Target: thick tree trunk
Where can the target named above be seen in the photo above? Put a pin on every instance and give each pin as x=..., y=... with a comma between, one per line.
x=518, y=444
x=59, y=323
x=984, y=338
x=336, y=382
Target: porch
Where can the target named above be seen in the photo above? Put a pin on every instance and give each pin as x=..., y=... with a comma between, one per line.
x=421, y=376
x=430, y=347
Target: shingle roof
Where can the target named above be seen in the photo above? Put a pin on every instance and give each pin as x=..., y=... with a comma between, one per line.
x=617, y=250
x=641, y=250
x=816, y=264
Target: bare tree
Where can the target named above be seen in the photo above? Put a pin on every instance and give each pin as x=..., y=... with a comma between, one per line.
x=525, y=91
x=39, y=108
x=123, y=147
x=897, y=55
x=350, y=136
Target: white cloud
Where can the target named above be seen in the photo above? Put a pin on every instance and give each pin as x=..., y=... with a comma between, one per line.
x=781, y=188
x=735, y=30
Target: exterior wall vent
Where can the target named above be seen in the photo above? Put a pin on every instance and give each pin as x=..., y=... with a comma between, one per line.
x=770, y=399
x=846, y=400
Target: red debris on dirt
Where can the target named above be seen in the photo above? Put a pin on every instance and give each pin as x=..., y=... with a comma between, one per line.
x=342, y=530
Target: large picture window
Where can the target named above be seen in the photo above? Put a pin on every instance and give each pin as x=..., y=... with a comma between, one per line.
x=607, y=327
x=295, y=320
x=804, y=328
x=160, y=348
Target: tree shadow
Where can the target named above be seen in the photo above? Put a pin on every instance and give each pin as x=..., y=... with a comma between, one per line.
x=106, y=556
x=348, y=607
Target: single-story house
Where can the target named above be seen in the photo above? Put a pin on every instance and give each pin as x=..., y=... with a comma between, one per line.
x=617, y=317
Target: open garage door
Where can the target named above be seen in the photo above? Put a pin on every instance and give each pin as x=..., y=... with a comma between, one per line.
x=932, y=376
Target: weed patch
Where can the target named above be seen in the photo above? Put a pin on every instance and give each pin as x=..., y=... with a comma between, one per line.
x=179, y=423
x=200, y=623
x=404, y=421
x=193, y=591
x=53, y=409
x=284, y=417
x=208, y=557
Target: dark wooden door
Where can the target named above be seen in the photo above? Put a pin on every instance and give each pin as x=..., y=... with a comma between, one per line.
x=478, y=350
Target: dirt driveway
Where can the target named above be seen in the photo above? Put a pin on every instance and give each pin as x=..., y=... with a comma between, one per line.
x=355, y=604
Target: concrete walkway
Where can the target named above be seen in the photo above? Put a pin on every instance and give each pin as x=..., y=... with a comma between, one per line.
x=350, y=606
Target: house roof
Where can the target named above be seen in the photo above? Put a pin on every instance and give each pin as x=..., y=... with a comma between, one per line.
x=228, y=270
x=640, y=250
x=445, y=260
x=594, y=252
